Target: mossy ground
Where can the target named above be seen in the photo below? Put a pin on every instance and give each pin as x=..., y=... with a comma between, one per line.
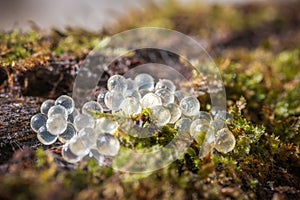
x=257, y=49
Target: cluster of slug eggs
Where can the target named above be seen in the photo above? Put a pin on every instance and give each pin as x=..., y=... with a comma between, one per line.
x=78, y=132
x=85, y=135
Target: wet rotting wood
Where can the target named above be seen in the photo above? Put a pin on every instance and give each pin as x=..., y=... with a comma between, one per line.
x=15, y=131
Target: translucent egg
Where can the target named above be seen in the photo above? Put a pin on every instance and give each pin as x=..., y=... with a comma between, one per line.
x=201, y=131
x=215, y=110
x=45, y=137
x=203, y=115
x=68, y=134
x=206, y=142
x=91, y=106
x=88, y=136
x=126, y=125
x=138, y=131
x=107, y=144
x=106, y=125
x=210, y=136
x=225, y=141
x=100, y=100
x=83, y=121
x=175, y=112
x=77, y=147
x=165, y=84
x=131, y=85
x=58, y=110
x=131, y=106
x=68, y=156
x=161, y=115
x=223, y=115
x=165, y=95
x=218, y=124
x=46, y=105
x=133, y=93
x=178, y=96
x=183, y=125
x=119, y=114
x=94, y=153
x=56, y=124
x=190, y=106
x=143, y=92
x=150, y=100
x=75, y=112
x=198, y=126
x=136, y=94
x=113, y=100
x=70, y=118
x=205, y=148
x=117, y=83
x=66, y=102
x=72, y=115
x=37, y=121
x=144, y=81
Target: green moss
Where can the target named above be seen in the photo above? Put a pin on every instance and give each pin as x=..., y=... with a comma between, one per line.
x=75, y=42
x=41, y=158
x=287, y=64
x=262, y=88
x=166, y=135
x=22, y=51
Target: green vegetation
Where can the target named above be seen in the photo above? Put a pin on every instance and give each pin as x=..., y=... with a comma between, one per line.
x=257, y=50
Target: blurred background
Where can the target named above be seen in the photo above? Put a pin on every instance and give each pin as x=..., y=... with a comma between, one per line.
x=90, y=15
